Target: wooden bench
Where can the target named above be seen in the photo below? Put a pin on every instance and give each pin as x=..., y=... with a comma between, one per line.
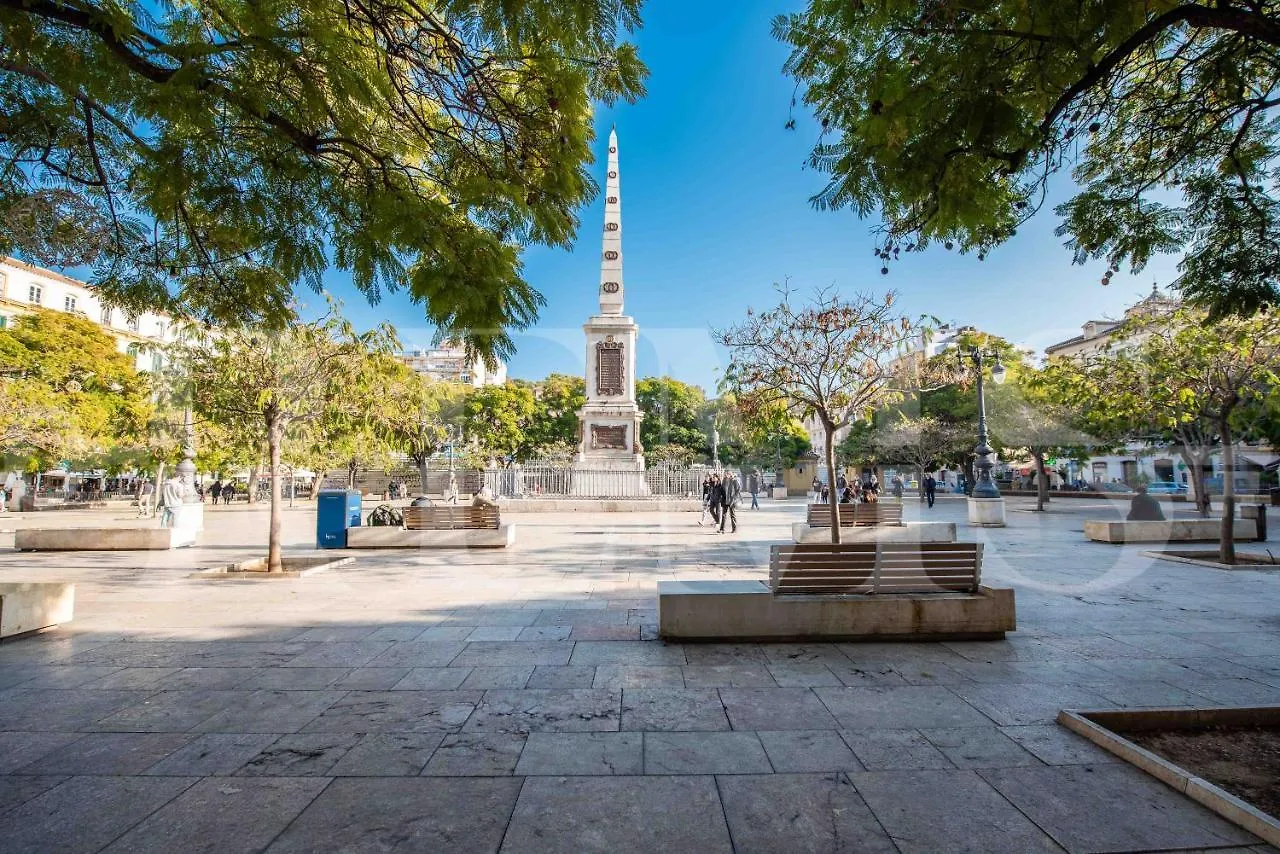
x=856, y=515
x=451, y=518
x=862, y=568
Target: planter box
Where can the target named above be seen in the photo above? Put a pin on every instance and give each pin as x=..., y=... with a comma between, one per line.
x=1168, y=531
x=912, y=532
x=102, y=539
x=30, y=607
x=386, y=537
x=748, y=611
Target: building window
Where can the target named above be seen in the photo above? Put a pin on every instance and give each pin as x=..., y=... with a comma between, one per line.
x=34, y=293
x=69, y=304
x=161, y=329
x=4, y=322
x=157, y=362
x=4, y=285
x=106, y=317
x=132, y=350
x=132, y=323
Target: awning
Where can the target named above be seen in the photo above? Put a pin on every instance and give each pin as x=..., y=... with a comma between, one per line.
x=1261, y=460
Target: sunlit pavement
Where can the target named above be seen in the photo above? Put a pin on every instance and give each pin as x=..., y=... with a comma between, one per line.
x=518, y=699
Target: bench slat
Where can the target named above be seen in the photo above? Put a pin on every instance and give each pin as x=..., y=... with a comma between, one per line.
x=450, y=518
x=862, y=568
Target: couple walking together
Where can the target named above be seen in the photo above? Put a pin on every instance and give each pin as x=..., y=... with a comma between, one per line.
x=720, y=496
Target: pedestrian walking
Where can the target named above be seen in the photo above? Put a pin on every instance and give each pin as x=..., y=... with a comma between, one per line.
x=146, y=495
x=897, y=488
x=930, y=488
x=729, y=493
x=215, y=491
x=228, y=492
x=753, y=484
x=708, y=504
x=817, y=489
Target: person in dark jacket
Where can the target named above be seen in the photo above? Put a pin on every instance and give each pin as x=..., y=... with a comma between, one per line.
x=216, y=490
x=1144, y=508
x=930, y=488
x=729, y=491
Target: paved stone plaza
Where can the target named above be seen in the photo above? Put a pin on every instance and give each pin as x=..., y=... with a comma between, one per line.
x=518, y=700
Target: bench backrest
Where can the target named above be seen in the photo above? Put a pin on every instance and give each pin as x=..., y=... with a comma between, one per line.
x=856, y=515
x=858, y=568
x=450, y=518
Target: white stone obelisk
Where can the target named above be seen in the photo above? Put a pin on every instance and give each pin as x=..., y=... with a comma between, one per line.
x=610, y=460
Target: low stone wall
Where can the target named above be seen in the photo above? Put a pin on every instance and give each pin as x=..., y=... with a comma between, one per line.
x=748, y=611
x=386, y=537
x=102, y=539
x=30, y=607
x=912, y=532
x=1168, y=531
x=600, y=505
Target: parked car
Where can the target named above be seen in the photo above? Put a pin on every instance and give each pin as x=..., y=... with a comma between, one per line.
x=1166, y=487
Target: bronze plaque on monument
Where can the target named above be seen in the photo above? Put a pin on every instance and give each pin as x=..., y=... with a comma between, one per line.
x=608, y=367
x=608, y=438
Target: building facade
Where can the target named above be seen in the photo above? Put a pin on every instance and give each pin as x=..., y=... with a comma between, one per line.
x=449, y=363
x=25, y=287
x=1141, y=461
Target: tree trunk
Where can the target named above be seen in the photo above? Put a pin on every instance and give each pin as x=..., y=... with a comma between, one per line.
x=1227, y=548
x=274, y=563
x=1042, y=480
x=155, y=496
x=833, y=498
x=920, y=482
x=352, y=467
x=422, y=474
x=1195, y=462
x=255, y=474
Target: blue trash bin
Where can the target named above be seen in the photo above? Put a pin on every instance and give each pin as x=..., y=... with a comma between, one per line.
x=336, y=510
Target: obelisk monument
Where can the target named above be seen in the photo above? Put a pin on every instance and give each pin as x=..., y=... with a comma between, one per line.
x=610, y=460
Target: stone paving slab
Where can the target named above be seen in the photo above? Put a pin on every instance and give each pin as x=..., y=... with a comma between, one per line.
x=433, y=701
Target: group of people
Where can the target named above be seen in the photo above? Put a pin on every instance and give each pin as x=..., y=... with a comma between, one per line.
x=225, y=491
x=852, y=491
x=720, y=494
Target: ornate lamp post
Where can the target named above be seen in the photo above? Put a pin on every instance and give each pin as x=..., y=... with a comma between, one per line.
x=986, y=507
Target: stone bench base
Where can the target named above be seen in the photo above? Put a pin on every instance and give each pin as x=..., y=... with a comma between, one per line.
x=1168, y=531
x=30, y=607
x=748, y=611
x=102, y=539
x=385, y=537
x=912, y=532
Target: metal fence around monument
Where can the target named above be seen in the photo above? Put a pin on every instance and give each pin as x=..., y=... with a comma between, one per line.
x=563, y=480
x=534, y=479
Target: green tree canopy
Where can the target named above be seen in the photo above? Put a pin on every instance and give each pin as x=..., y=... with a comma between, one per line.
x=205, y=157
x=66, y=391
x=555, y=426
x=498, y=418
x=673, y=415
x=949, y=120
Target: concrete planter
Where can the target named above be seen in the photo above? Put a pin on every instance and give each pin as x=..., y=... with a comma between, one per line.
x=103, y=539
x=1168, y=531
x=912, y=532
x=748, y=611
x=986, y=512
x=31, y=607
x=385, y=537
x=256, y=569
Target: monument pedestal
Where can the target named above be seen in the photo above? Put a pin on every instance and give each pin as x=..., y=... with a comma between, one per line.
x=986, y=512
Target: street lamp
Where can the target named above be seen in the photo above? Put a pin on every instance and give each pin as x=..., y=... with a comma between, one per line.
x=985, y=487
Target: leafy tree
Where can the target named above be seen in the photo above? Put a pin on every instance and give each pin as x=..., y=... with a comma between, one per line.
x=1026, y=414
x=419, y=414
x=950, y=120
x=497, y=420
x=673, y=415
x=307, y=376
x=835, y=358
x=921, y=442
x=557, y=400
x=206, y=156
x=1187, y=375
x=66, y=391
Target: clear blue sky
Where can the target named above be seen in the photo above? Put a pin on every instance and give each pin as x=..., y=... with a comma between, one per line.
x=715, y=210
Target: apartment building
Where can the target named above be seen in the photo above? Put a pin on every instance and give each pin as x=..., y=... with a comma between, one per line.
x=449, y=363
x=24, y=287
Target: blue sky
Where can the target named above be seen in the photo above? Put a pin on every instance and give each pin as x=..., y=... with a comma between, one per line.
x=715, y=210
